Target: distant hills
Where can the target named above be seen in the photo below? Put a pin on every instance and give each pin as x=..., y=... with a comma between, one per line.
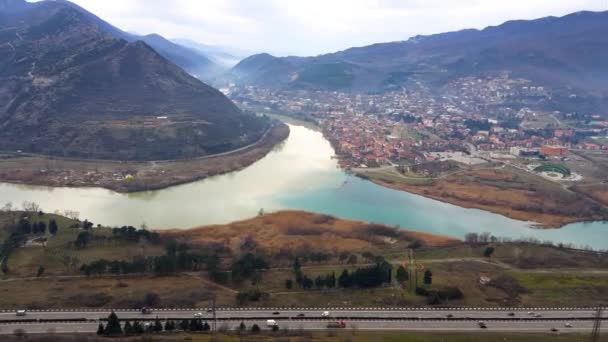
x=570, y=51
x=221, y=55
x=70, y=86
x=195, y=62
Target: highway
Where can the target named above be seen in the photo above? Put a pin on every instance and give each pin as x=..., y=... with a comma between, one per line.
x=581, y=319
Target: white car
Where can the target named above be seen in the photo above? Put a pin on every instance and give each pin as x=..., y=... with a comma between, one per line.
x=198, y=314
x=568, y=325
x=325, y=314
x=20, y=312
x=271, y=323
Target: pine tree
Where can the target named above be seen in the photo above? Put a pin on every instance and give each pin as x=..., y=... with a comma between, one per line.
x=53, y=228
x=402, y=274
x=255, y=328
x=428, y=277
x=41, y=228
x=113, y=327
x=100, y=329
x=242, y=327
x=184, y=325
x=138, y=328
x=193, y=325
x=170, y=326
x=206, y=327
x=129, y=329
x=158, y=326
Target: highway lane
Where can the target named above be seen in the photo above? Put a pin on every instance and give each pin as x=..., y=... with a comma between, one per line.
x=311, y=313
x=451, y=326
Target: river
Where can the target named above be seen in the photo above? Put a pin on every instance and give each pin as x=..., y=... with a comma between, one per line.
x=298, y=174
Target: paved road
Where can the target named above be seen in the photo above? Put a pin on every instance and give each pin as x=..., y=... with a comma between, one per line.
x=225, y=313
x=306, y=318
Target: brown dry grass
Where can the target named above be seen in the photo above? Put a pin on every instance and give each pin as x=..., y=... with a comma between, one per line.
x=509, y=193
x=297, y=229
x=115, y=292
x=598, y=192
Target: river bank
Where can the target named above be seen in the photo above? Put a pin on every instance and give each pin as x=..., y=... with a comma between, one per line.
x=125, y=177
x=502, y=191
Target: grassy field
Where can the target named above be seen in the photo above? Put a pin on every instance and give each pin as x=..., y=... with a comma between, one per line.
x=521, y=273
x=564, y=289
x=59, y=256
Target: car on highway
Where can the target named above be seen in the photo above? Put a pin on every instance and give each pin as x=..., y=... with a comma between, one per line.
x=301, y=315
x=482, y=324
x=198, y=315
x=554, y=330
x=339, y=324
x=271, y=323
x=511, y=314
x=325, y=314
x=568, y=325
x=209, y=310
x=538, y=315
x=449, y=316
x=276, y=313
x=21, y=312
x=146, y=310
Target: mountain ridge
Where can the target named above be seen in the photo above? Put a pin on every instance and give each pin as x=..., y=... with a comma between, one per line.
x=71, y=89
x=569, y=51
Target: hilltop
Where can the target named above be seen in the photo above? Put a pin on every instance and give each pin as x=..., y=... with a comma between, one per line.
x=71, y=89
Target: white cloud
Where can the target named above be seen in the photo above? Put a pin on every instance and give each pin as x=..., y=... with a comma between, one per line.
x=308, y=27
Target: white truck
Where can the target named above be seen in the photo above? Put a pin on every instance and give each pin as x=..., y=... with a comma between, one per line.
x=271, y=323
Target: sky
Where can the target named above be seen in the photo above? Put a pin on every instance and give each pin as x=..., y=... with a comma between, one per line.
x=311, y=27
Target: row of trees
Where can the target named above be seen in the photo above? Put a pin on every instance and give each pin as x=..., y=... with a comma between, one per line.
x=26, y=227
x=133, y=234
x=114, y=329
x=178, y=258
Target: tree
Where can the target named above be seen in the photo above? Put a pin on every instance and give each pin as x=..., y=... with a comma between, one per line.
x=488, y=252
x=41, y=228
x=169, y=325
x=100, y=329
x=206, y=327
x=288, y=284
x=428, y=277
x=344, y=279
x=82, y=239
x=242, y=327
x=319, y=282
x=40, y=271
x=352, y=259
x=255, y=328
x=129, y=329
x=138, y=328
x=113, y=327
x=184, y=325
x=402, y=275
x=158, y=326
x=53, y=228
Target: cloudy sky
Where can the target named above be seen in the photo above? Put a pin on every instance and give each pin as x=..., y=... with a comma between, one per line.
x=310, y=27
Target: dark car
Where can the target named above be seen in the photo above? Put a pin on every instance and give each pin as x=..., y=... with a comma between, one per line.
x=301, y=315
x=146, y=310
x=511, y=314
x=276, y=313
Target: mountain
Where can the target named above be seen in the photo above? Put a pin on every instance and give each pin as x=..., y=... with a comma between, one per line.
x=195, y=62
x=224, y=56
x=69, y=88
x=567, y=51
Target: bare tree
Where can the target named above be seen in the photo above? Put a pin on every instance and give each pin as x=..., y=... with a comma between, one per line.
x=7, y=207
x=72, y=214
x=31, y=207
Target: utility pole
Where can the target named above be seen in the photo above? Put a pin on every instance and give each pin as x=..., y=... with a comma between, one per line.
x=214, y=324
x=597, y=323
